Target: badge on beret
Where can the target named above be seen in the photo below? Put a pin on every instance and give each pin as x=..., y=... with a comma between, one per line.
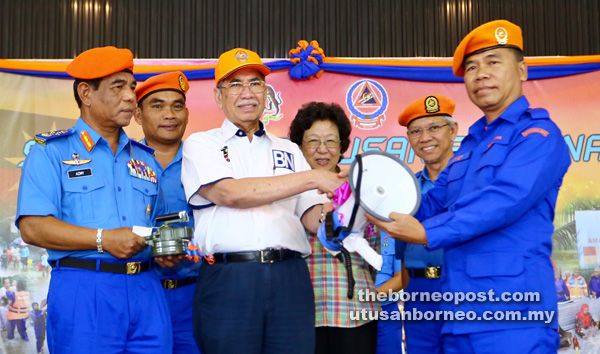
x=241, y=56
x=501, y=35
x=182, y=83
x=76, y=161
x=432, y=105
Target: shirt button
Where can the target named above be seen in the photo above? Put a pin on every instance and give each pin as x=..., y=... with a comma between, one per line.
x=146, y=190
x=124, y=218
x=84, y=188
x=119, y=189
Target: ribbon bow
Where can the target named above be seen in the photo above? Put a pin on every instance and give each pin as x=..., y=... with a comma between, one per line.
x=307, y=58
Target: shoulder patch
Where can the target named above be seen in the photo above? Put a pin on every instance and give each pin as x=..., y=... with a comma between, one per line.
x=530, y=131
x=143, y=146
x=538, y=113
x=43, y=138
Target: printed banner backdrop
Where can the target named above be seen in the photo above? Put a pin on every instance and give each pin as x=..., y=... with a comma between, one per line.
x=588, y=238
x=37, y=96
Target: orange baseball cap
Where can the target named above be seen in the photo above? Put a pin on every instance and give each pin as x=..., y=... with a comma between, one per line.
x=433, y=105
x=100, y=62
x=173, y=81
x=491, y=35
x=236, y=59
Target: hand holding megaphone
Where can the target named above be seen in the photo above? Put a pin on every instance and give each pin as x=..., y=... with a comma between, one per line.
x=403, y=227
x=379, y=184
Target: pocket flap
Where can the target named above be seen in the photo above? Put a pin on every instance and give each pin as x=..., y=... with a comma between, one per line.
x=494, y=265
x=83, y=184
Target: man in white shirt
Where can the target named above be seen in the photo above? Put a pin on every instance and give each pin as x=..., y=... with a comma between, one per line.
x=253, y=194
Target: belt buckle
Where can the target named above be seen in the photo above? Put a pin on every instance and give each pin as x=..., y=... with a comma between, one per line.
x=170, y=284
x=134, y=268
x=262, y=256
x=432, y=273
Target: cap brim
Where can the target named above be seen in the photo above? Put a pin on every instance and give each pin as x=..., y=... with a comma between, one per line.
x=263, y=69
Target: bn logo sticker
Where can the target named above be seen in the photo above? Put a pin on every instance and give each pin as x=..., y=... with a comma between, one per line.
x=283, y=159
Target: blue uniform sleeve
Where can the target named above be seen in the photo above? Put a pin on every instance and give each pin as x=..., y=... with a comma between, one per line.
x=40, y=185
x=532, y=165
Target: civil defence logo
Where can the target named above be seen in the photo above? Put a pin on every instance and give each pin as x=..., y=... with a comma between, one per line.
x=367, y=101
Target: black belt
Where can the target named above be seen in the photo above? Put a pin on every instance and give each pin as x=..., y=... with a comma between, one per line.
x=429, y=272
x=269, y=255
x=177, y=283
x=109, y=267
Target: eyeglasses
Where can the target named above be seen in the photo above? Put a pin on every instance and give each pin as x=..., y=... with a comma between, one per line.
x=236, y=88
x=316, y=143
x=432, y=129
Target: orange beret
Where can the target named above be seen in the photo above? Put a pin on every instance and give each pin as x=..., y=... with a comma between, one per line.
x=238, y=58
x=491, y=35
x=173, y=81
x=100, y=62
x=433, y=105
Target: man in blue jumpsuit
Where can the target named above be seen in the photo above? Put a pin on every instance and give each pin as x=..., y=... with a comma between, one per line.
x=163, y=115
x=431, y=131
x=492, y=208
x=82, y=191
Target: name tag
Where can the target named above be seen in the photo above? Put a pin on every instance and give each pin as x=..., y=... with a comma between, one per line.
x=79, y=173
x=283, y=159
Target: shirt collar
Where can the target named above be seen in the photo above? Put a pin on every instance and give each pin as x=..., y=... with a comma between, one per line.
x=82, y=126
x=177, y=157
x=511, y=114
x=425, y=175
x=229, y=130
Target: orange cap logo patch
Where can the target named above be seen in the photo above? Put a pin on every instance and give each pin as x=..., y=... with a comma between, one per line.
x=241, y=56
x=182, y=83
x=501, y=35
x=432, y=105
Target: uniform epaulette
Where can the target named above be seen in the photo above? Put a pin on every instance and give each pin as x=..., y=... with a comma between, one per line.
x=43, y=138
x=538, y=113
x=143, y=146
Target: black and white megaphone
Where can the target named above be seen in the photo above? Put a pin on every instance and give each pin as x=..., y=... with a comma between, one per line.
x=379, y=184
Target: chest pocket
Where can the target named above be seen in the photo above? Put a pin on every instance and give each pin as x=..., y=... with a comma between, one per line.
x=491, y=161
x=458, y=167
x=147, y=192
x=84, y=199
x=147, y=189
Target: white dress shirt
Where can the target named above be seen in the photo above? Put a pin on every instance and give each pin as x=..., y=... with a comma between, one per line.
x=226, y=152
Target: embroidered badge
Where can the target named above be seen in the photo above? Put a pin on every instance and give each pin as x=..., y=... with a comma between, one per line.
x=76, y=161
x=87, y=140
x=530, y=131
x=458, y=158
x=225, y=151
x=182, y=83
x=44, y=137
x=432, y=105
x=501, y=35
x=140, y=170
x=241, y=56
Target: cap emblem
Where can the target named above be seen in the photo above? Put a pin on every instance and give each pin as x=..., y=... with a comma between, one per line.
x=182, y=83
x=432, y=105
x=241, y=56
x=501, y=35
